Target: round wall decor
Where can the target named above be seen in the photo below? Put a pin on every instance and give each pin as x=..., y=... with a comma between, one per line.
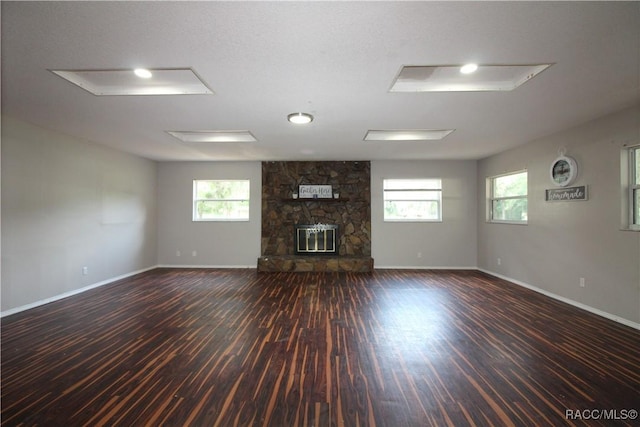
x=564, y=171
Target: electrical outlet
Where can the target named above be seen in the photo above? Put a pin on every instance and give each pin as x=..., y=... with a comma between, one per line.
x=194, y=253
x=582, y=282
x=499, y=261
x=85, y=271
x=178, y=253
x=419, y=255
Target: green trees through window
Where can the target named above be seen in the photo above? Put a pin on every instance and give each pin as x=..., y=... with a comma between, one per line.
x=509, y=198
x=412, y=199
x=221, y=200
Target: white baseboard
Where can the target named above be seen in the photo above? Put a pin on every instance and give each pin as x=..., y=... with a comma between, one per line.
x=74, y=292
x=422, y=267
x=566, y=300
x=203, y=266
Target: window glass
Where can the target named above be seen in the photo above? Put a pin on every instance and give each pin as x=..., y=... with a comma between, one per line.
x=508, y=198
x=510, y=210
x=634, y=188
x=412, y=199
x=637, y=165
x=221, y=200
x=510, y=185
x=636, y=209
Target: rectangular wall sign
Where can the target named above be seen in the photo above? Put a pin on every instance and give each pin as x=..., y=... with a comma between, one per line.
x=566, y=194
x=315, y=191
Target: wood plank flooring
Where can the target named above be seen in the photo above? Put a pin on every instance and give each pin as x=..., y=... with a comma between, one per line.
x=177, y=347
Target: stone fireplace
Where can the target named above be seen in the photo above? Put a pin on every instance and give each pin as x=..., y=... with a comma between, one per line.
x=344, y=221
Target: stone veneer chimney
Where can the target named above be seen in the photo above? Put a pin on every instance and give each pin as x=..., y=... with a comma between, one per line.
x=351, y=212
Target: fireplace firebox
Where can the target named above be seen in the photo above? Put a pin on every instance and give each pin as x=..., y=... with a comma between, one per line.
x=315, y=239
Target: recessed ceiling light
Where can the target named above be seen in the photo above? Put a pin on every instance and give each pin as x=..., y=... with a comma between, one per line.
x=213, y=136
x=143, y=73
x=448, y=78
x=407, y=135
x=164, y=81
x=300, y=118
x=468, y=68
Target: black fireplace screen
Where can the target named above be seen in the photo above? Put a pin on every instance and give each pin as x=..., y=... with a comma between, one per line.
x=315, y=239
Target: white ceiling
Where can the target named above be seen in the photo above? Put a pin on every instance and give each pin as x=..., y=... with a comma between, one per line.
x=335, y=60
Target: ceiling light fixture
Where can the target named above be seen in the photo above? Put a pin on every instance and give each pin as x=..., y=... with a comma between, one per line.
x=300, y=118
x=450, y=78
x=213, y=136
x=143, y=73
x=468, y=68
x=407, y=135
x=165, y=81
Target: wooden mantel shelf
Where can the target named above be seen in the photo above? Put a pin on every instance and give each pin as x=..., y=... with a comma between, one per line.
x=321, y=200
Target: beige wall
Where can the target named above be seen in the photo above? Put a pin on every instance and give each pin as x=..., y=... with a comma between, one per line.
x=216, y=244
x=69, y=204
x=565, y=241
x=447, y=244
x=451, y=243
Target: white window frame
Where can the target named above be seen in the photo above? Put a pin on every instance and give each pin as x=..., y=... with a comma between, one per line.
x=438, y=200
x=226, y=219
x=634, y=189
x=492, y=198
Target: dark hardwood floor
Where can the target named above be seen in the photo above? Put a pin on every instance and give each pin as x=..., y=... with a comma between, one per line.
x=392, y=348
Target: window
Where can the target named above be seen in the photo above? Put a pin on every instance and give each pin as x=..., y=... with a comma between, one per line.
x=221, y=200
x=508, y=198
x=412, y=199
x=634, y=188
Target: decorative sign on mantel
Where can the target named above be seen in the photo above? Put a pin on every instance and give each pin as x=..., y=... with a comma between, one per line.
x=566, y=194
x=315, y=191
